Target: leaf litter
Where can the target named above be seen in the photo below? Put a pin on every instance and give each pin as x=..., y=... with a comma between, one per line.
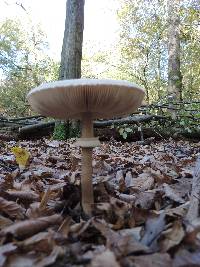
x=140, y=215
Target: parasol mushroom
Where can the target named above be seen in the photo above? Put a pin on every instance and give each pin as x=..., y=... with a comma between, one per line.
x=86, y=99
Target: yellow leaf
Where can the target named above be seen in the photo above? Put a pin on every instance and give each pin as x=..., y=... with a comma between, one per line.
x=22, y=156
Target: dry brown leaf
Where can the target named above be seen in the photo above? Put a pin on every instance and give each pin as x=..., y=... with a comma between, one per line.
x=5, y=251
x=78, y=228
x=24, y=229
x=128, y=179
x=51, y=258
x=185, y=258
x=153, y=230
x=172, y=237
x=120, y=243
x=53, y=143
x=24, y=196
x=138, y=216
x=121, y=210
x=106, y=258
x=96, y=250
x=36, y=260
x=75, y=160
x=154, y=260
x=123, y=245
x=42, y=172
x=21, y=260
x=4, y=222
x=6, y=183
x=65, y=227
x=34, y=211
x=123, y=202
x=41, y=242
x=12, y=209
x=172, y=194
x=146, y=199
x=135, y=232
x=127, y=198
x=143, y=182
x=179, y=211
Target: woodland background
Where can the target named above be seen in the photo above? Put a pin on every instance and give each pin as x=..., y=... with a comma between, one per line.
x=146, y=192
x=158, y=48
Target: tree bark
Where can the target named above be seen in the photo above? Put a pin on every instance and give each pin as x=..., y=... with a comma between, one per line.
x=174, y=72
x=71, y=54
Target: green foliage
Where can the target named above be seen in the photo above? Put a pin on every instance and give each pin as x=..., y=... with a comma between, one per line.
x=143, y=46
x=24, y=63
x=187, y=118
x=65, y=130
x=60, y=131
x=124, y=130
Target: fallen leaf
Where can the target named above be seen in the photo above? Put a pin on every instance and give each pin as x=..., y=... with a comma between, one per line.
x=142, y=183
x=172, y=237
x=65, y=227
x=23, y=229
x=128, y=179
x=22, y=156
x=34, y=211
x=154, y=260
x=23, y=196
x=120, y=243
x=179, y=211
x=51, y=258
x=12, y=209
x=41, y=242
x=4, y=222
x=153, y=230
x=36, y=260
x=146, y=199
x=185, y=258
x=172, y=194
x=5, y=251
x=106, y=258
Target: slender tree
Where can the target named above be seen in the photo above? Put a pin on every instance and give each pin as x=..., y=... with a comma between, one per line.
x=71, y=54
x=174, y=72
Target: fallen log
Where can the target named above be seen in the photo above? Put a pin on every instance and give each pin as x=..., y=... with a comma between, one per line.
x=27, y=118
x=36, y=127
x=97, y=124
x=46, y=128
x=129, y=120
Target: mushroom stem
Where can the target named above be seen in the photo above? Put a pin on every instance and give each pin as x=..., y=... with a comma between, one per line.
x=86, y=179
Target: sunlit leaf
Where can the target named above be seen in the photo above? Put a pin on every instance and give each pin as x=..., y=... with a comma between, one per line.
x=22, y=156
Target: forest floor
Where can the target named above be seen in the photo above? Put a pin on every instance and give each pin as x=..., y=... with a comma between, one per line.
x=140, y=216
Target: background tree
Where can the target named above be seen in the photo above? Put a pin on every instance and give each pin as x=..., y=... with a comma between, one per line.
x=190, y=48
x=71, y=56
x=24, y=64
x=174, y=68
x=143, y=46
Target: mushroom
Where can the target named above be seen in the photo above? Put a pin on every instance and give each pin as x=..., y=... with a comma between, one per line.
x=86, y=99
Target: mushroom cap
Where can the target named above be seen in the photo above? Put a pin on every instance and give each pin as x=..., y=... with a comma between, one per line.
x=71, y=98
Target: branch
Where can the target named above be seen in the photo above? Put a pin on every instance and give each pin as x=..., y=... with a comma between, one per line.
x=36, y=127
x=129, y=120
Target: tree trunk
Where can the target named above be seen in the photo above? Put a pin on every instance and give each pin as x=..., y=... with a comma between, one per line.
x=174, y=73
x=71, y=54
